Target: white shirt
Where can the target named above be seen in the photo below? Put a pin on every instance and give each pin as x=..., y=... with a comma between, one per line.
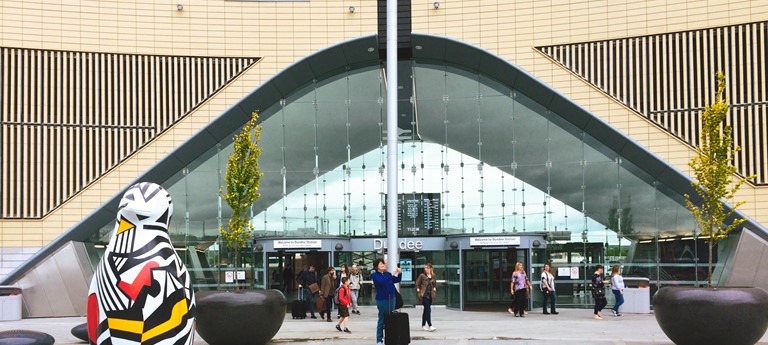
x=549, y=278
x=617, y=282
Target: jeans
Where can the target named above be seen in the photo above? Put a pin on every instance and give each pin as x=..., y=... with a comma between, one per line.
x=384, y=306
x=551, y=297
x=426, y=316
x=619, y=300
x=353, y=294
x=310, y=298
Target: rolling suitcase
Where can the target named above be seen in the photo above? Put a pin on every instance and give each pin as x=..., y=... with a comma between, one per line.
x=396, y=329
x=299, y=306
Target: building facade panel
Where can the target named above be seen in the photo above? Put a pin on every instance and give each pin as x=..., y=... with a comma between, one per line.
x=285, y=32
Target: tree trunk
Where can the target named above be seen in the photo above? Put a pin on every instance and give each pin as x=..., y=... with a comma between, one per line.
x=711, y=244
x=237, y=266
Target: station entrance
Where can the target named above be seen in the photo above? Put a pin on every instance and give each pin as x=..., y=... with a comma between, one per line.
x=487, y=276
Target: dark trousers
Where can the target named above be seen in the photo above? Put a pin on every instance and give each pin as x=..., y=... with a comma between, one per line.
x=426, y=316
x=600, y=303
x=328, y=305
x=520, y=303
x=548, y=296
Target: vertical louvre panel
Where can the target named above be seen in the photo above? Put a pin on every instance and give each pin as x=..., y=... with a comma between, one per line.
x=66, y=118
x=669, y=79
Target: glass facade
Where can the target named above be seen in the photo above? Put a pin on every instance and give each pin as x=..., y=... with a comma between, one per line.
x=500, y=163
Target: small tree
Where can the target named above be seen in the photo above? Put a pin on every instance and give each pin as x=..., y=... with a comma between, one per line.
x=713, y=170
x=242, y=182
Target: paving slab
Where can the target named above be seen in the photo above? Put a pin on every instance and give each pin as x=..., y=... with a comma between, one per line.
x=572, y=326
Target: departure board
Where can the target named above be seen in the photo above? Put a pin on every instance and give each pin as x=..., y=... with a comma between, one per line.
x=418, y=214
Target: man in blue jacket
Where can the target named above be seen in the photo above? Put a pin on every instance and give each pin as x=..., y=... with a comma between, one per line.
x=385, y=293
x=306, y=279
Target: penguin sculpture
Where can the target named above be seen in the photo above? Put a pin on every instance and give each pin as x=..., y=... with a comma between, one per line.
x=141, y=291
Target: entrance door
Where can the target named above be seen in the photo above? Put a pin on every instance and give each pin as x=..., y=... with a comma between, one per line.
x=487, y=275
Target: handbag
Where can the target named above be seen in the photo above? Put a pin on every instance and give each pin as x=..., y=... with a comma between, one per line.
x=320, y=303
x=398, y=300
x=314, y=288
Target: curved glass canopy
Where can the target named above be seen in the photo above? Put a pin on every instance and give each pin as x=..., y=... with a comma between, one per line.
x=499, y=161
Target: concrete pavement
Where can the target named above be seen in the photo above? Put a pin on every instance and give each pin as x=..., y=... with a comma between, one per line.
x=571, y=327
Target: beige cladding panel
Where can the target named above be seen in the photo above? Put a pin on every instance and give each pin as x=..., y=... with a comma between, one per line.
x=284, y=32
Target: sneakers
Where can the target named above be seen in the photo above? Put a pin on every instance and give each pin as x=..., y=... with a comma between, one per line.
x=425, y=328
x=346, y=330
x=614, y=312
x=432, y=329
x=338, y=328
x=619, y=314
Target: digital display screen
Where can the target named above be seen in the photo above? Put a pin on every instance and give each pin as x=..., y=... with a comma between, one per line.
x=418, y=214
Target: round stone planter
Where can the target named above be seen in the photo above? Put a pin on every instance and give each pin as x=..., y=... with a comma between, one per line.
x=728, y=315
x=245, y=317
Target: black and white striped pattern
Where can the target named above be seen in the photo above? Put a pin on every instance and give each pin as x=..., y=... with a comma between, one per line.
x=68, y=117
x=669, y=78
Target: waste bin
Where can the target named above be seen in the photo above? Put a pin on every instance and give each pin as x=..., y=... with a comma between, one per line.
x=637, y=295
x=10, y=303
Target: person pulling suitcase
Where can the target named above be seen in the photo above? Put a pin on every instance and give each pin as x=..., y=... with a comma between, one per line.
x=386, y=295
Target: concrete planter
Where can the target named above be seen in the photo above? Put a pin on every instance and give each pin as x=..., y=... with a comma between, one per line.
x=245, y=317
x=729, y=315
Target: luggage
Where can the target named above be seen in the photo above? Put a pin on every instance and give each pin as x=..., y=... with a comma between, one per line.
x=396, y=329
x=299, y=307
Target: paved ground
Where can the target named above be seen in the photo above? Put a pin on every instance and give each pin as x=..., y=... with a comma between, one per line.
x=571, y=327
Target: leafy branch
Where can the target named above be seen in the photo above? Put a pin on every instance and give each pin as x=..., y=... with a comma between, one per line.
x=242, y=186
x=713, y=170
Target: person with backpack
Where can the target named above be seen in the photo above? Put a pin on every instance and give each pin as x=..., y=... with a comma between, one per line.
x=343, y=273
x=327, y=289
x=344, y=300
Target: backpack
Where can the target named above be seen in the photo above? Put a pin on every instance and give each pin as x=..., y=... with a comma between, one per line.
x=336, y=296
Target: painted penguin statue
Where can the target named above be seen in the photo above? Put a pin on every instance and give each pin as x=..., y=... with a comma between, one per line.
x=141, y=291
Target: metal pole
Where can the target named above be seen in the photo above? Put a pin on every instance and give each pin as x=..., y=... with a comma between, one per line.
x=392, y=250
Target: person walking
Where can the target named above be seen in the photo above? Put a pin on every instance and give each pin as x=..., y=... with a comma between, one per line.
x=343, y=273
x=327, y=289
x=385, y=293
x=617, y=287
x=426, y=289
x=598, y=292
x=308, y=281
x=345, y=301
x=519, y=287
x=288, y=279
x=355, y=280
x=548, y=290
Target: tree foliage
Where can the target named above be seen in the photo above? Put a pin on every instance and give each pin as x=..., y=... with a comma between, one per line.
x=242, y=180
x=714, y=174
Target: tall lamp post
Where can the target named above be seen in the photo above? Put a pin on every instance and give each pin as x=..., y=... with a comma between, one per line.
x=392, y=254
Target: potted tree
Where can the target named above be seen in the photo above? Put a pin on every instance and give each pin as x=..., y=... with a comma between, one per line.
x=240, y=317
x=729, y=315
